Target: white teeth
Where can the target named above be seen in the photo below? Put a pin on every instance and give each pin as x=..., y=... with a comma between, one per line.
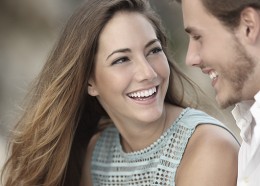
x=213, y=75
x=143, y=93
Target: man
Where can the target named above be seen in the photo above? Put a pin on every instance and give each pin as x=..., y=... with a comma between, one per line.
x=225, y=44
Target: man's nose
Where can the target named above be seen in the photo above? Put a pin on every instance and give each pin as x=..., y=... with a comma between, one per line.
x=193, y=56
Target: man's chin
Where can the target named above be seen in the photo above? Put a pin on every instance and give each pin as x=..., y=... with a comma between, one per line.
x=225, y=103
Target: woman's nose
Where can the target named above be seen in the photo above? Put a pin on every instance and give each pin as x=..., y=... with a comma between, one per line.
x=145, y=70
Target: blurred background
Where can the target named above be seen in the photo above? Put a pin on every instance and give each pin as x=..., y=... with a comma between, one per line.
x=29, y=29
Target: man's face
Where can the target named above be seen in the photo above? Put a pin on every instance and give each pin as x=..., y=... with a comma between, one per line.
x=218, y=52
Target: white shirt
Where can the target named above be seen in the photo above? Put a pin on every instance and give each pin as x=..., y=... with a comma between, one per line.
x=247, y=116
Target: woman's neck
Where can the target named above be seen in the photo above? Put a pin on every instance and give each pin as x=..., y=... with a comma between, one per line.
x=143, y=135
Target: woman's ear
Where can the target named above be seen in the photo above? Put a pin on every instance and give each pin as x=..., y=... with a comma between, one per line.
x=250, y=24
x=92, y=90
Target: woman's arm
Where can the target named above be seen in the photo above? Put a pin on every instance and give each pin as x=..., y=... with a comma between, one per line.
x=210, y=159
x=86, y=179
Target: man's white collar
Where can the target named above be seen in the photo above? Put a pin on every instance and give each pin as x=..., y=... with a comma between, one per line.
x=243, y=113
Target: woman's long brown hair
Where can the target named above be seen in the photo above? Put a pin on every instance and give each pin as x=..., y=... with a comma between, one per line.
x=49, y=142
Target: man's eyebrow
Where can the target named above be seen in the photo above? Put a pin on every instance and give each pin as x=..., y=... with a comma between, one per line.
x=129, y=50
x=189, y=30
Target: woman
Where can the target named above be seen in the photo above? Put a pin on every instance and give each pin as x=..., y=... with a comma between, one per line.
x=109, y=108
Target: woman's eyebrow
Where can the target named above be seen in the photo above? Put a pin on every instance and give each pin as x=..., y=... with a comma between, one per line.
x=151, y=42
x=129, y=50
x=119, y=51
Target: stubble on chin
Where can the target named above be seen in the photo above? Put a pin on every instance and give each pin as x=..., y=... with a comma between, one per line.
x=237, y=74
x=232, y=100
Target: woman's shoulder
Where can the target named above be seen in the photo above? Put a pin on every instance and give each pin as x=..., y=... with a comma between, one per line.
x=196, y=117
x=210, y=137
x=104, y=126
x=86, y=172
x=191, y=118
x=211, y=155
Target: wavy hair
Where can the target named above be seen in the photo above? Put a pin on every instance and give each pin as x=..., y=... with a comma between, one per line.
x=49, y=142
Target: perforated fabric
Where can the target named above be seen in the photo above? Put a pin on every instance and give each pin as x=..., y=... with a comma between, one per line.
x=154, y=165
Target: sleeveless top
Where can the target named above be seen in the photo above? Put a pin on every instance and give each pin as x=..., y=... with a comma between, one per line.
x=154, y=165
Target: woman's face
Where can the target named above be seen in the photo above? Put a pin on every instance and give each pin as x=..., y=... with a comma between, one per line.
x=131, y=73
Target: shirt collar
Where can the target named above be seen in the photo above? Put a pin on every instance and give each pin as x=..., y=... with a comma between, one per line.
x=244, y=113
x=243, y=117
x=255, y=109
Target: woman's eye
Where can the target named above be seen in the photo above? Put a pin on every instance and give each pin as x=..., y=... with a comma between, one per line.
x=155, y=50
x=120, y=60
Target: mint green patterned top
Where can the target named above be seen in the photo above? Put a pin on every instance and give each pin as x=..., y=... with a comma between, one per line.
x=154, y=165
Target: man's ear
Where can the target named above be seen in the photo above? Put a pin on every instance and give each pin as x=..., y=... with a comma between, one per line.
x=250, y=24
x=92, y=90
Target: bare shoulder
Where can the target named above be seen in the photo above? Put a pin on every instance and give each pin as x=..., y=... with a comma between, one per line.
x=210, y=158
x=86, y=174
